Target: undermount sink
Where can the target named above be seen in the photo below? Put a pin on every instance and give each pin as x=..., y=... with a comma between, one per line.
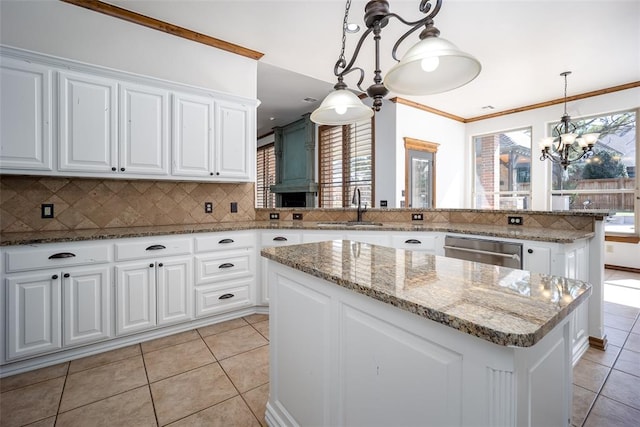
x=366, y=224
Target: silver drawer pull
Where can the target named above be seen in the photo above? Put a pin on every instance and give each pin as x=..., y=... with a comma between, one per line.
x=279, y=239
x=62, y=255
x=226, y=296
x=413, y=241
x=226, y=265
x=226, y=241
x=156, y=247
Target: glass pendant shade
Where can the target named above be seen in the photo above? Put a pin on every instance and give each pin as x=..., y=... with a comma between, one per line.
x=433, y=65
x=341, y=107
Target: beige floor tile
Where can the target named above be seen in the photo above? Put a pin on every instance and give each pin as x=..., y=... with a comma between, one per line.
x=623, y=387
x=263, y=328
x=33, y=377
x=606, y=358
x=104, y=358
x=620, y=310
x=590, y=375
x=629, y=362
x=618, y=322
x=159, y=343
x=582, y=401
x=177, y=359
x=185, y=394
x=257, y=401
x=132, y=408
x=248, y=370
x=633, y=343
x=31, y=403
x=230, y=413
x=47, y=422
x=609, y=413
x=615, y=336
x=222, y=327
x=255, y=318
x=104, y=381
x=230, y=343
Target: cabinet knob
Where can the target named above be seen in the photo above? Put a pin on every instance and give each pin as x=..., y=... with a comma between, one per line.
x=160, y=265
x=113, y=169
x=54, y=277
x=530, y=251
x=211, y=173
x=151, y=265
x=66, y=275
x=121, y=169
x=217, y=173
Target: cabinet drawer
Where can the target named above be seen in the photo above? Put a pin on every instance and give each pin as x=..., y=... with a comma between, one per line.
x=152, y=248
x=223, y=266
x=225, y=241
x=280, y=238
x=415, y=242
x=55, y=256
x=213, y=299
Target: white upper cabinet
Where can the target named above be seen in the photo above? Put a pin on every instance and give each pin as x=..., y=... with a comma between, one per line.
x=59, y=117
x=25, y=116
x=87, y=126
x=144, y=130
x=233, y=131
x=193, y=136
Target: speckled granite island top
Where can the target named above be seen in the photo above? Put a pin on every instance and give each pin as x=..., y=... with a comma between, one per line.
x=501, y=305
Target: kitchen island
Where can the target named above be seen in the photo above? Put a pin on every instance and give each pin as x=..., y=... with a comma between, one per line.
x=369, y=335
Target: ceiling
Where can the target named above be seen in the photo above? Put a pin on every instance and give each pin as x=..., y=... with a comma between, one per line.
x=523, y=46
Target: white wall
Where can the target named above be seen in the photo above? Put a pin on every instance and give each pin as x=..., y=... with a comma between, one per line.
x=73, y=32
x=451, y=165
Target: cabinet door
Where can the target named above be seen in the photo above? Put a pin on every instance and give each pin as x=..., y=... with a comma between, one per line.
x=25, y=116
x=233, y=127
x=87, y=123
x=537, y=259
x=34, y=318
x=86, y=305
x=135, y=297
x=175, y=291
x=144, y=130
x=192, y=135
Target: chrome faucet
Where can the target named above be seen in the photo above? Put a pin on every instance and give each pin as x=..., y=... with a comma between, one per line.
x=356, y=200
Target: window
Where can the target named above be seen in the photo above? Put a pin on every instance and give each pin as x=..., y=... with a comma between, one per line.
x=265, y=176
x=503, y=170
x=607, y=180
x=345, y=162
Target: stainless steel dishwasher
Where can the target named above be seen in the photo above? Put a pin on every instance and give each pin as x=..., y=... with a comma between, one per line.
x=505, y=254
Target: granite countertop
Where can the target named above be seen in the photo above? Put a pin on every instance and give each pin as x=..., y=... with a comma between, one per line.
x=501, y=305
x=513, y=232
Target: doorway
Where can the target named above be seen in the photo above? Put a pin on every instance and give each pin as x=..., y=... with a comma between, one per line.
x=420, y=173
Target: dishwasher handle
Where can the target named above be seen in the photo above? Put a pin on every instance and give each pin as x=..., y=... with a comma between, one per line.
x=479, y=251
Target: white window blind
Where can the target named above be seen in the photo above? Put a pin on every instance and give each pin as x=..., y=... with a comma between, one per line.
x=346, y=162
x=265, y=176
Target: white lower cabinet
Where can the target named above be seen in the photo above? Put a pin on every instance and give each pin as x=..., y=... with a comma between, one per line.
x=53, y=308
x=270, y=238
x=151, y=293
x=33, y=314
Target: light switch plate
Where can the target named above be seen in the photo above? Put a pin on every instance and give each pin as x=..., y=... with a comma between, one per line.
x=46, y=210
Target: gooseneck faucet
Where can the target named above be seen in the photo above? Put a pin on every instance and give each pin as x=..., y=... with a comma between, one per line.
x=356, y=200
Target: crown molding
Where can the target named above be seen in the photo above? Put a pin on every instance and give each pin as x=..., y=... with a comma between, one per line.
x=165, y=27
x=423, y=107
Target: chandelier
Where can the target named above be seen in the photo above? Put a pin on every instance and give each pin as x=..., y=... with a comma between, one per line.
x=569, y=146
x=433, y=65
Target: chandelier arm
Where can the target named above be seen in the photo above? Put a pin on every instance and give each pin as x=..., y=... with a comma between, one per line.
x=345, y=72
x=356, y=52
x=405, y=35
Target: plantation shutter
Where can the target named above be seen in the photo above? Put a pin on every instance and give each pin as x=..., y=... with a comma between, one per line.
x=265, y=176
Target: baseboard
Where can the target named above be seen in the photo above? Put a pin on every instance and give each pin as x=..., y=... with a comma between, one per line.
x=621, y=268
x=598, y=343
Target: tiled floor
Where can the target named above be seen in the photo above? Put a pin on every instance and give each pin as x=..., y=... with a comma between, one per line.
x=213, y=376
x=218, y=376
x=606, y=385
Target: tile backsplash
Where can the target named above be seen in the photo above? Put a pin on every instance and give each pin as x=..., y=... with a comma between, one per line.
x=81, y=203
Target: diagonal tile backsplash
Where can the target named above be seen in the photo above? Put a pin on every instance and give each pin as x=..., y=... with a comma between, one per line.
x=84, y=203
